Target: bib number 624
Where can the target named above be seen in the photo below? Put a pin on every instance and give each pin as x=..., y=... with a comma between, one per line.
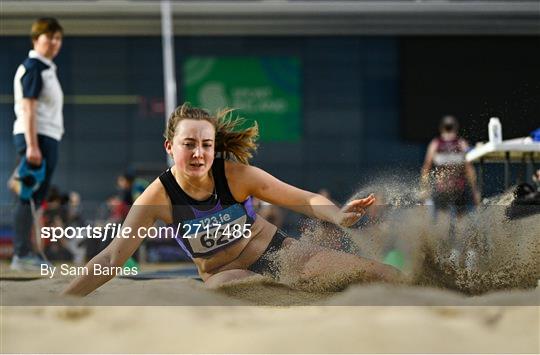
x=222, y=236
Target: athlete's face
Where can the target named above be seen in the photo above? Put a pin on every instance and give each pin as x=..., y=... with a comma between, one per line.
x=192, y=148
x=48, y=44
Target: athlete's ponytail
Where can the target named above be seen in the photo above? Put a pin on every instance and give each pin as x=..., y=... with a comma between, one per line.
x=231, y=140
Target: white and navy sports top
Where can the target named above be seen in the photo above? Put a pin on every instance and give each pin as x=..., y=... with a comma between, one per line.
x=204, y=227
x=36, y=79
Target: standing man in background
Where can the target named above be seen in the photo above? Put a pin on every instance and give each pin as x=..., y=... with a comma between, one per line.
x=38, y=127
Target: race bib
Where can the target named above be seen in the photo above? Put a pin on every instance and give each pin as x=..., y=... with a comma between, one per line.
x=205, y=235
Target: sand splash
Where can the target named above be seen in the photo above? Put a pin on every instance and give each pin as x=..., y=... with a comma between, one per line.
x=481, y=252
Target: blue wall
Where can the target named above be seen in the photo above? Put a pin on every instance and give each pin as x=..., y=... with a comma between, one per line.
x=350, y=109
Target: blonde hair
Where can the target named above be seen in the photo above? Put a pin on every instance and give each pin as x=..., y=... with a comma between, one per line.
x=230, y=139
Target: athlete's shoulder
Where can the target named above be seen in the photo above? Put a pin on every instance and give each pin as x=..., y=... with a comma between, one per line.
x=34, y=65
x=241, y=179
x=234, y=169
x=152, y=205
x=153, y=195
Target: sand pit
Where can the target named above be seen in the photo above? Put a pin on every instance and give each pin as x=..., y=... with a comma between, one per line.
x=442, y=306
x=363, y=318
x=271, y=330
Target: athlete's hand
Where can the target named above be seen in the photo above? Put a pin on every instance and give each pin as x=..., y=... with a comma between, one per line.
x=33, y=156
x=354, y=210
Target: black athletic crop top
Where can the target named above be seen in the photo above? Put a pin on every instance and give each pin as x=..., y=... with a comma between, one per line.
x=204, y=227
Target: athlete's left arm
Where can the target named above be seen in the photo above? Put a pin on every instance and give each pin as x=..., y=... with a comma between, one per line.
x=247, y=180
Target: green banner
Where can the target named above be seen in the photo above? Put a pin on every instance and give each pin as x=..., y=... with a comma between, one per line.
x=266, y=90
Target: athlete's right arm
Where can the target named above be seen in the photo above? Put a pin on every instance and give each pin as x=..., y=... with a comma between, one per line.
x=33, y=153
x=143, y=214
